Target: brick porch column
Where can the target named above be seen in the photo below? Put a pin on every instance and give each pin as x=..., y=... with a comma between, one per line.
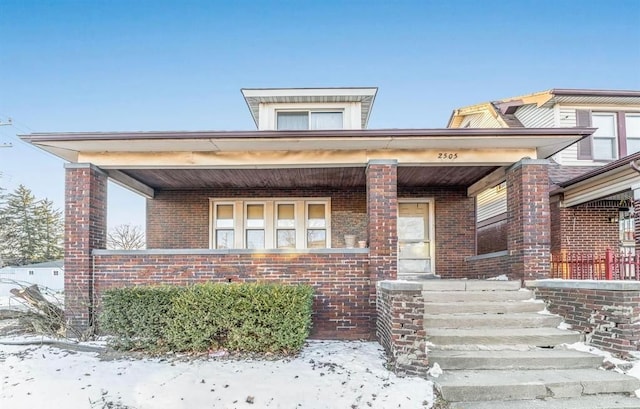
x=382, y=212
x=85, y=229
x=528, y=218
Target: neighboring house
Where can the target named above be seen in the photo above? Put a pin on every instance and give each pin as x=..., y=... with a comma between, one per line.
x=581, y=222
x=49, y=274
x=284, y=203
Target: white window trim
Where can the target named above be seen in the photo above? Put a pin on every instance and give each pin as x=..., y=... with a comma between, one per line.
x=309, y=112
x=300, y=208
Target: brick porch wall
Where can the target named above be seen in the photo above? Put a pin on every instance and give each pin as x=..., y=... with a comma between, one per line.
x=606, y=312
x=340, y=279
x=85, y=229
x=400, y=326
x=185, y=214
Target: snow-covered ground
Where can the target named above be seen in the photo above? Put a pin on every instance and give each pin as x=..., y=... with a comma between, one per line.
x=327, y=374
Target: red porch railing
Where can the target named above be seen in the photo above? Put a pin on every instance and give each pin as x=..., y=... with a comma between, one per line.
x=589, y=266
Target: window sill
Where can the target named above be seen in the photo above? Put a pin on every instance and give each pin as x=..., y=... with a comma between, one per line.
x=99, y=252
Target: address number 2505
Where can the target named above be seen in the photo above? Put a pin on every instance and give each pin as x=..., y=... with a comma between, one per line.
x=448, y=155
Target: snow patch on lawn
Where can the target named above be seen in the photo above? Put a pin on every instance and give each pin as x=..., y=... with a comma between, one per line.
x=326, y=374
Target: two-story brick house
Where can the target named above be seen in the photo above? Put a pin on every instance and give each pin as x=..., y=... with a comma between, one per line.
x=288, y=201
x=591, y=208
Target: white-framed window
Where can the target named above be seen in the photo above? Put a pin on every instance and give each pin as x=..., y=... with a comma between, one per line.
x=632, y=128
x=605, y=146
x=287, y=223
x=302, y=120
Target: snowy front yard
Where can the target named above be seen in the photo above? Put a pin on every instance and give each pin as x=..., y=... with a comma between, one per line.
x=327, y=374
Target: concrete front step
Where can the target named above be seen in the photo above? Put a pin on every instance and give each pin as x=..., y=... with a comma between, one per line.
x=508, y=360
x=585, y=402
x=501, y=307
x=518, y=320
x=457, y=386
x=470, y=296
x=541, y=337
x=471, y=285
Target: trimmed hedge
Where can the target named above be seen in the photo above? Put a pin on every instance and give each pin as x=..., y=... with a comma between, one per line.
x=239, y=317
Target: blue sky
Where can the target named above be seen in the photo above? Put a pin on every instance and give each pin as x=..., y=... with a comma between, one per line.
x=160, y=65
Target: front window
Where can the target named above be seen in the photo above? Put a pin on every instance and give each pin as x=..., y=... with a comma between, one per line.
x=270, y=223
x=605, y=137
x=304, y=120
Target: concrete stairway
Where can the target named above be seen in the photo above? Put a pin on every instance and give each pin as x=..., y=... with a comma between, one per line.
x=498, y=349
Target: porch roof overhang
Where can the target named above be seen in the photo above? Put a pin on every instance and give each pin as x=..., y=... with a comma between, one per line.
x=607, y=181
x=146, y=161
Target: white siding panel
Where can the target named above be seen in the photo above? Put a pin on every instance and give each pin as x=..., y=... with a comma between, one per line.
x=480, y=120
x=567, y=117
x=533, y=117
x=569, y=156
x=492, y=202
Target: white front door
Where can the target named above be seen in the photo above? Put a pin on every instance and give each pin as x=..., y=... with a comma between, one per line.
x=415, y=237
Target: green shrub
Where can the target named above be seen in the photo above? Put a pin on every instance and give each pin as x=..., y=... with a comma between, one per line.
x=137, y=316
x=240, y=317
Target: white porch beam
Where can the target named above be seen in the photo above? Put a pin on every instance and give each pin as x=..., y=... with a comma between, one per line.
x=492, y=179
x=130, y=183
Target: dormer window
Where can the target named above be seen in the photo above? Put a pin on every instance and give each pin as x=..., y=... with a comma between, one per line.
x=302, y=120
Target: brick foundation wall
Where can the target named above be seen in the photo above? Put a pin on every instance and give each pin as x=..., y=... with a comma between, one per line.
x=584, y=228
x=606, y=312
x=340, y=278
x=400, y=326
x=455, y=227
x=85, y=228
x=180, y=219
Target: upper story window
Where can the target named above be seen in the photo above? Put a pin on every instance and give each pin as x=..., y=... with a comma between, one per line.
x=270, y=223
x=301, y=120
x=617, y=134
x=605, y=146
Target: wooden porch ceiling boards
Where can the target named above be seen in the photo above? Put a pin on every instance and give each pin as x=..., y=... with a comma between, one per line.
x=343, y=177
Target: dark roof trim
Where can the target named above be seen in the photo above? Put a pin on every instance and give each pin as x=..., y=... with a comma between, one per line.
x=363, y=133
x=604, y=169
x=299, y=88
x=595, y=92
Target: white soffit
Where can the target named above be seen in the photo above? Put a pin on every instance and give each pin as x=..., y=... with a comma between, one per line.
x=610, y=183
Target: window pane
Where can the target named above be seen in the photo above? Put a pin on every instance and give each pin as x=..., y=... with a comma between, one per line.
x=326, y=120
x=286, y=239
x=604, y=148
x=255, y=239
x=224, y=215
x=255, y=215
x=633, y=125
x=606, y=124
x=292, y=121
x=286, y=216
x=224, y=239
x=316, y=215
x=316, y=239
x=633, y=145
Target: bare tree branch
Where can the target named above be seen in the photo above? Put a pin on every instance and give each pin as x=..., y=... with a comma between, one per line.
x=126, y=237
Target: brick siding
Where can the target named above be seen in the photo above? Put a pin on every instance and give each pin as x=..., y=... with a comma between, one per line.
x=584, y=228
x=609, y=318
x=185, y=214
x=341, y=308
x=491, y=265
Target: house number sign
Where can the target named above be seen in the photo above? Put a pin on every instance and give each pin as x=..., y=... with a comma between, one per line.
x=448, y=155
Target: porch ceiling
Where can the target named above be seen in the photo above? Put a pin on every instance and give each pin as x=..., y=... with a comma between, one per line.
x=345, y=177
